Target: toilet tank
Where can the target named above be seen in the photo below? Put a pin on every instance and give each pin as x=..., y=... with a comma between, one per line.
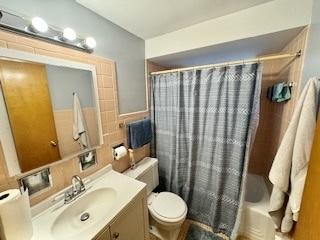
x=146, y=171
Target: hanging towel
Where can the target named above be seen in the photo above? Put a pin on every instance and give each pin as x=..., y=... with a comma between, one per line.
x=279, y=92
x=289, y=168
x=80, y=132
x=139, y=133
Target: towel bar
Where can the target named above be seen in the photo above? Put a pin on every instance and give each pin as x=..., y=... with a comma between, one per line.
x=292, y=84
x=125, y=124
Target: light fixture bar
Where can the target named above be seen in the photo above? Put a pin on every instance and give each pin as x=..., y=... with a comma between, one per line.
x=39, y=29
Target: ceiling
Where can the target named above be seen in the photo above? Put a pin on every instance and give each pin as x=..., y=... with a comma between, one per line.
x=230, y=51
x=150, y=18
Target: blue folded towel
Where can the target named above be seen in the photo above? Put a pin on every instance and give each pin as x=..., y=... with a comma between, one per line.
x=279, y=92
x=139, y=133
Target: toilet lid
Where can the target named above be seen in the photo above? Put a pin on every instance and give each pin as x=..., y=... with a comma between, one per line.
x=169, y=205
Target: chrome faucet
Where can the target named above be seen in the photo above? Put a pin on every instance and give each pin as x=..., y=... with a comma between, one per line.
x=76, y=190
x=77, y=185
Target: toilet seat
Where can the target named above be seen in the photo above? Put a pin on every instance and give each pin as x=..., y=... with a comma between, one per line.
x=167, y=207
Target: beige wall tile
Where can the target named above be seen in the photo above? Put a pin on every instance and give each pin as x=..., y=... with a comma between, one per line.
x=111, y=117
x=21, y=47
x=100, y=81
x=109, y=94
x=112, y=126
x=107, y=81
x=3, y=44
x=8, y=36
x=106, y=69
x=107, y=85
x=103, y=116
x=103, y=105
x=275, y=117
x=110, y=106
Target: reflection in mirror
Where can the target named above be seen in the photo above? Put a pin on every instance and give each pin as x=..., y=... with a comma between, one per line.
x=87, y=160
x=36, y=182
x=74, y=109
x=48, y=112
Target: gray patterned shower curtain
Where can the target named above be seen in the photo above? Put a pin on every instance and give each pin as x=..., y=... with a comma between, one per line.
x=204, y=122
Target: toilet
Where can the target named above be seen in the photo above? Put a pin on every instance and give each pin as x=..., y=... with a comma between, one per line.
x=167, y=211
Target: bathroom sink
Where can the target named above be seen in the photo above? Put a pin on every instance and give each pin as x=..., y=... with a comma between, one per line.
x=84, y=212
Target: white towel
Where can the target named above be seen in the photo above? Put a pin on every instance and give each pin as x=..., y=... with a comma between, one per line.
x=289, y=168
x=80, y=132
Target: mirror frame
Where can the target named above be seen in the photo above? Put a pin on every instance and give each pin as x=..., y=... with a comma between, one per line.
x=20, y=55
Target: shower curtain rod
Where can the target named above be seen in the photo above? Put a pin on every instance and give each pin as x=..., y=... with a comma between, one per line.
x=267, y=58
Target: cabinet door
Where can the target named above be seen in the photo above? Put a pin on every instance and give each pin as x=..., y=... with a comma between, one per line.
x=130, y=224
x=308, y=226
x=105, y=235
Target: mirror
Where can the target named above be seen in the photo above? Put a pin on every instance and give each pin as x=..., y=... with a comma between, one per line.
x=49, y=111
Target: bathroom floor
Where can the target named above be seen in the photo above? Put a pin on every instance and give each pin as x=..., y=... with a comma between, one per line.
x=184, y=230
x=185, y=227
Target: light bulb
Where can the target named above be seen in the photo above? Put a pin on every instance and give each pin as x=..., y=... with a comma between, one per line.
x=39, y=25
x=69, y=34
x=90, y=43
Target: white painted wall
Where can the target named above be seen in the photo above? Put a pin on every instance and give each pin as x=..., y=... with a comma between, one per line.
x=112, y=42
x=312, y=58
x=274, y=16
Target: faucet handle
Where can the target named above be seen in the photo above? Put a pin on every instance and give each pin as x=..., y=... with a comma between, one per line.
x=82, y=187
x=68, y=195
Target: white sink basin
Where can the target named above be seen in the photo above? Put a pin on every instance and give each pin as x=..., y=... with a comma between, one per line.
x=108, y=192
x=96, y=203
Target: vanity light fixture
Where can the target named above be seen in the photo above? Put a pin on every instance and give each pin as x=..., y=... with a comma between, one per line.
x=38, y=28
x=69, y=34
x=90, y=43
x=39, y=25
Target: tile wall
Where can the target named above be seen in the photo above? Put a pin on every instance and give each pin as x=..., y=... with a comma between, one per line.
x=62, y=171
x=275, y=117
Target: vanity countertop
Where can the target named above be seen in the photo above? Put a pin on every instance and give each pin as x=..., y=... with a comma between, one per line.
x=126, y=189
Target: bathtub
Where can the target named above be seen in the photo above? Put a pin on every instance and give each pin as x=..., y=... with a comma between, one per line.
x=256, y=224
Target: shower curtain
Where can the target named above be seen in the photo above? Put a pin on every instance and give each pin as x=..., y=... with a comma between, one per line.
x=204, y=122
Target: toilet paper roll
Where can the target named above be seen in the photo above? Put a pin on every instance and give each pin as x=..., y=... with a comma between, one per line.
x=120, y=152
x=15, y=215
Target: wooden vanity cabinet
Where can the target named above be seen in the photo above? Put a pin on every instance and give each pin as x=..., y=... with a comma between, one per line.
x=130, y=224
x=105, y=235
